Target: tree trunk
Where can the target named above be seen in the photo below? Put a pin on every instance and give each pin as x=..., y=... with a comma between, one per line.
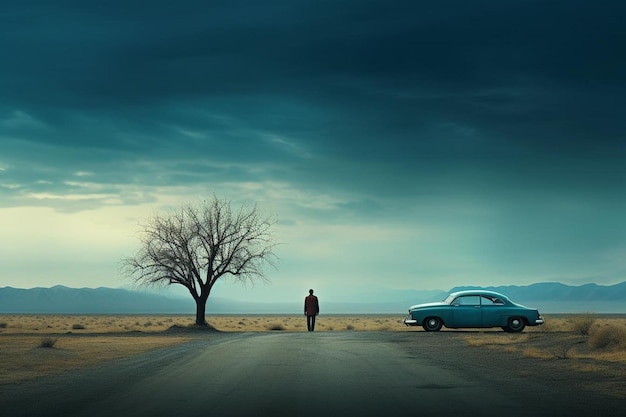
x=200, y=311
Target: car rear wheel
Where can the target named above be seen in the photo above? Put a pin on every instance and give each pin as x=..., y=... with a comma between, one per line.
x=515, y=324
x=432, y=324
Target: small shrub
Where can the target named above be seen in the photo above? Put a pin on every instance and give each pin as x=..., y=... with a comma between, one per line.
x=349, y=327
x=609, y=337
x=276, y=327
x=147, y=324
x=3, y=325
x=48, y=342
x=582, y=323
x=78, y=327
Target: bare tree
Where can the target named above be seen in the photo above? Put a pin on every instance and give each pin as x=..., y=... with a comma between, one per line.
x=200, y=244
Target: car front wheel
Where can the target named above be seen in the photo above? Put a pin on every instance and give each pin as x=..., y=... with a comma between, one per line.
x=432, y=324
x=515, y=325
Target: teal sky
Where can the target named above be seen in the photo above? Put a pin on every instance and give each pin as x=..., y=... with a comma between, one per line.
x=402, y=145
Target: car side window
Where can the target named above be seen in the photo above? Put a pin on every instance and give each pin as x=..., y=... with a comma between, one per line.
x=468, y=300
x=486, y=301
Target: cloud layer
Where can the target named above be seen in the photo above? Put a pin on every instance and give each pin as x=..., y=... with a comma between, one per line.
x=469, y=141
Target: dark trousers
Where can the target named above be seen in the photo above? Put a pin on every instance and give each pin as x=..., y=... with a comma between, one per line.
x=310, y=322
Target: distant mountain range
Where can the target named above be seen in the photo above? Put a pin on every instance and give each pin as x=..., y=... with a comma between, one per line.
x=547, y=297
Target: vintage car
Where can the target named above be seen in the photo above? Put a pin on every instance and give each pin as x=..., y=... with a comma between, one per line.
x=473, y=308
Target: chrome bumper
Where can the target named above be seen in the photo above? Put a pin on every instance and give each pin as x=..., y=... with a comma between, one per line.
x=408, y=321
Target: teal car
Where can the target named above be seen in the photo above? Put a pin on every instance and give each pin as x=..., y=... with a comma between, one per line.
x=473, y=309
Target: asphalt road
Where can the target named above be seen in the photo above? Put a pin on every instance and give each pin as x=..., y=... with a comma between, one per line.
x=296, y=374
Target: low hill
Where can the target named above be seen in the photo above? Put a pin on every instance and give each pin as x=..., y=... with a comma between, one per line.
x=547, y=297
x=551, y=291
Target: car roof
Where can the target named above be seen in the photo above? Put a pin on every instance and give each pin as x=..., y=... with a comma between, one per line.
x=479, y=292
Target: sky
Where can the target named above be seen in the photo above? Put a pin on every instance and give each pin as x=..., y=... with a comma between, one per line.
x=404, y=145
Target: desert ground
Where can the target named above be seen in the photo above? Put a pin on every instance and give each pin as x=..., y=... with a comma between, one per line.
x=32, y=346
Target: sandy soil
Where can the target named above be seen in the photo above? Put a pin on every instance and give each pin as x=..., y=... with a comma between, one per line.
x=555, y=350
x=84, y=324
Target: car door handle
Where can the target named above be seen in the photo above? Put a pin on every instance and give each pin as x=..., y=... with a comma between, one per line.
x=476, y=306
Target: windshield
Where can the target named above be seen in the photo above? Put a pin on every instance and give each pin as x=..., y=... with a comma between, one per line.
x=448, y=299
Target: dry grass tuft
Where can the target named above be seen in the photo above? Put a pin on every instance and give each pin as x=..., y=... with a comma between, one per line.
x=536, y=353
x=582, y=323
x=48, y=342
x=589, y=367
x=476, y=341
x=496, y=340
x=608, y=337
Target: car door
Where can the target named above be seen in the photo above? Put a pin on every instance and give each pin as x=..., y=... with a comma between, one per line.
x=466, y=311
x=491, y=309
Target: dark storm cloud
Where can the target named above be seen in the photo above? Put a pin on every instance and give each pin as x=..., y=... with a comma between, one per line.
x=392, y=98
x=467, y=142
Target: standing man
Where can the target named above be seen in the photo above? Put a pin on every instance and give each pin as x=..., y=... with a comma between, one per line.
x=311, y=309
